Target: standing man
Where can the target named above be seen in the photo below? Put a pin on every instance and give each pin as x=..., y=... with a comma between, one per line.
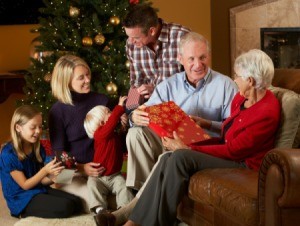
x=204, y=94
x=151, y=48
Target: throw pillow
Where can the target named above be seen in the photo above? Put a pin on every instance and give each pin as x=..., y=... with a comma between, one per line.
x=288, y=135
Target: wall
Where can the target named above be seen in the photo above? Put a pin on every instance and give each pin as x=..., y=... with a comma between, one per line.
x=220, y=36
x=15, y=42
x=194, y=14
x=247, y=19
x=15, y=46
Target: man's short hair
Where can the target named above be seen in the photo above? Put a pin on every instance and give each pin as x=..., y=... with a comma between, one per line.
x=141, y=15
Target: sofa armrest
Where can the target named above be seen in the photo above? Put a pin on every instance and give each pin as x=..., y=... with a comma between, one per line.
x=278, y=185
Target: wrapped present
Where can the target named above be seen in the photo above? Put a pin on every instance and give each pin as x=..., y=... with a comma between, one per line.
x=67, y=160
x=168, y=117
x=134, y=99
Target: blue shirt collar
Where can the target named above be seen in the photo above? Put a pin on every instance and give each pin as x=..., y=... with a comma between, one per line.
x=202, y=81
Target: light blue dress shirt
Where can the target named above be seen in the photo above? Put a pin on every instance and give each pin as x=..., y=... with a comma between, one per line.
x=210, y=100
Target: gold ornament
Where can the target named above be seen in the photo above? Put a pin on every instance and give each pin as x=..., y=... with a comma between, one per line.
x=73, y=11
x=127, y=64
x=114, y=20
x=99, y=39
x=87, y=41
x=48, y=77
x=111, y=88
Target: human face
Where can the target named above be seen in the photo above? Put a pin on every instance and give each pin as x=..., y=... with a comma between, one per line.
x=30, y=131
x=195, y=59
x=243, y=85
x=81, y=79
x=138, y=38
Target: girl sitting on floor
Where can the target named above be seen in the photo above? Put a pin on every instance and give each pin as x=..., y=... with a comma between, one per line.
x=24, y=176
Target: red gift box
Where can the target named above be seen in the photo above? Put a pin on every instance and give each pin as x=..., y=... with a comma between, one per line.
x=168, y=117
x=134, y=99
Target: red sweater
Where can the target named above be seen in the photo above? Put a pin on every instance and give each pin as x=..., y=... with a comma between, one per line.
x=251, y=134
x=108, y=145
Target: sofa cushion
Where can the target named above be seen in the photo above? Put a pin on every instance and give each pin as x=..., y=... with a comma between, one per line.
x=219, y=188
x=288, y=135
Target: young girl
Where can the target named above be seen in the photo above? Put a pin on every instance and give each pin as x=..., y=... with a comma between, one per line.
x=25, y=179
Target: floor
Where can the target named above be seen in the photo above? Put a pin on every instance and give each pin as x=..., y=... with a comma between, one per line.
x=5, y=218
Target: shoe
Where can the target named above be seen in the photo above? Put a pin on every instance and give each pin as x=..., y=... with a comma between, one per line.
x=105, y=219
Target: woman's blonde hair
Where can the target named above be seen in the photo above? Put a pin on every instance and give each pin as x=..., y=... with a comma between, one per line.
x=256, y=64
x=20, y=117
x=94, y=118
x=62, y=76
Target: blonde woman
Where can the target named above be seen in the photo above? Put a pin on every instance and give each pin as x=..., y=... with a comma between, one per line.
x=70, y=84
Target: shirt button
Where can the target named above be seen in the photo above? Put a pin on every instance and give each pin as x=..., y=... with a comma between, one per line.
x=225, y=141
x=240, y=120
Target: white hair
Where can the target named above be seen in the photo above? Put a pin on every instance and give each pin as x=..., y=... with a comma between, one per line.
x=94, y=118
x=256, y=64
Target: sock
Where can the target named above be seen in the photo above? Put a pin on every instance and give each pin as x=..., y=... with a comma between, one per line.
x=123, y=213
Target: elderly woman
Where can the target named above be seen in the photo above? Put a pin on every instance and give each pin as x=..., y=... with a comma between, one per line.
x=247, y=135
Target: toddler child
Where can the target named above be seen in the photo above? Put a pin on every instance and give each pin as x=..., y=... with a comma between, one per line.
x=100, y=124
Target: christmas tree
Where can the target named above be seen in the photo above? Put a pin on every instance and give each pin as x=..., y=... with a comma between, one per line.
x=90, y=29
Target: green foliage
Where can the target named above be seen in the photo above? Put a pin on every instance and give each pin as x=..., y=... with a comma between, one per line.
x=60, y=32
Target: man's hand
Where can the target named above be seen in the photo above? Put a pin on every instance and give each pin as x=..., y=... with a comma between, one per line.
x=140, y=117
x=173, y=144
x=146, y=90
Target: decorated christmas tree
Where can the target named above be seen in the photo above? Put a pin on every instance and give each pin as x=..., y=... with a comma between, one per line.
x=90, y=29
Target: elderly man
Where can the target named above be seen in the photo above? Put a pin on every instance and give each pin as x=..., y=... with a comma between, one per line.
x=199, y=91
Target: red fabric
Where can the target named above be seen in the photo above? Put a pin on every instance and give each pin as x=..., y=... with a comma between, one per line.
x=107, y=144
x=133, y=2
x=47, y=146
x=251, y=134
x=168, y=117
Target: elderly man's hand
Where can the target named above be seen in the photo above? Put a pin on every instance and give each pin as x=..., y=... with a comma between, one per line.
x=140, y=117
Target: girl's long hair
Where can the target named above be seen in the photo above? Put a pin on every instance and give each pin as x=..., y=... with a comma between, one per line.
x=20, y=117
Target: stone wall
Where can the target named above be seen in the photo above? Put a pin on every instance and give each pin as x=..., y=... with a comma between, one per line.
x=247, y=19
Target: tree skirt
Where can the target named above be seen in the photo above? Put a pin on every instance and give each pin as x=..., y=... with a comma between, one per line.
x=82, y=220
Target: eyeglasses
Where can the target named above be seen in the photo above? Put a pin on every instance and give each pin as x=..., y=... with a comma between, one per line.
x=235, y=76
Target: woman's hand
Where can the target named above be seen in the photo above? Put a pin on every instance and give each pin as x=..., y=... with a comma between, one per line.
x=140, y=117
x=93, y=169
x=53, y=168
x=203, y=123
x=173, y=144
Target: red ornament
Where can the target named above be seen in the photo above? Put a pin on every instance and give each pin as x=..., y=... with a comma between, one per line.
x=133, y=2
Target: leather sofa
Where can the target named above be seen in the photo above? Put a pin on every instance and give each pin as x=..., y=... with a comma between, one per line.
x=243, y=197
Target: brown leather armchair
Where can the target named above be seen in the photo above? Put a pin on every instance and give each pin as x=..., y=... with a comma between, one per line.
x=243, y=197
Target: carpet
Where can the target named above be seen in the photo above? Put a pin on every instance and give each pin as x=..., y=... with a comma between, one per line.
x=82, y=220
